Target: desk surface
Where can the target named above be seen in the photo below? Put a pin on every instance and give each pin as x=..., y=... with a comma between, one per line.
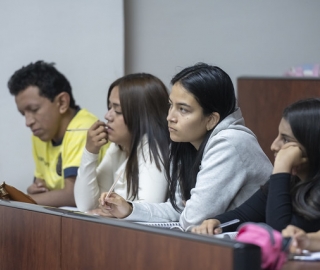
x=50, y=238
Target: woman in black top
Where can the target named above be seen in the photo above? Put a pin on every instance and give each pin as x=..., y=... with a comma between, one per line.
x=292, y=194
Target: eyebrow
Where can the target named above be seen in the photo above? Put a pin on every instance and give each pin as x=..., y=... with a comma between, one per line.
x=287, y=136
x=117, y=105
x=181, y=103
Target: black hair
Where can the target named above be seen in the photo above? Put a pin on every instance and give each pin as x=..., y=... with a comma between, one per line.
x=44, y=76
x=304, y=117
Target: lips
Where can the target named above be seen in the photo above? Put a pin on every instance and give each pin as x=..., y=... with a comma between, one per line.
x=36, y=132
x=171, y=129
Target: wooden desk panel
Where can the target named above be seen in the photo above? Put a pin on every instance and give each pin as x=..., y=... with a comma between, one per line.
x=137, y=249
x=262, y=101
x=297, y=265
x=29, y=240
x=37, y=238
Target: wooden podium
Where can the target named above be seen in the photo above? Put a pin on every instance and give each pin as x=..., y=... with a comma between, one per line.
x=262, y=101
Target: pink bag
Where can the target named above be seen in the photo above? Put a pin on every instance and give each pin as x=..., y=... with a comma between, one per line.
x=274, y=248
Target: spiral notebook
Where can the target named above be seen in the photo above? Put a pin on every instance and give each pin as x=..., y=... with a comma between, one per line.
x=165, y=225
x=176, y=225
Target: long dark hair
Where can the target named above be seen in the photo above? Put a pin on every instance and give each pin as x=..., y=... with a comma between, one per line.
x=213, y=90
x=144, y=105
x=304, y=119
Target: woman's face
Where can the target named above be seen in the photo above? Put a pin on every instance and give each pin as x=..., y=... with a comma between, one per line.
x=286, y=136
x=186, y=121
x=117, y=130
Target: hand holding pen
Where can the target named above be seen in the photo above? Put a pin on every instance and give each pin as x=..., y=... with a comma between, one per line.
x=212, y=226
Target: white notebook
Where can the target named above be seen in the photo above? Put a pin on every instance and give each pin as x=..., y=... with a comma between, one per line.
x=176, y=225
x=227, y=235
x=165, y=225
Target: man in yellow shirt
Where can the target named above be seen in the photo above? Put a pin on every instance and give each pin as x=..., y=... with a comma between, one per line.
x=44, y=97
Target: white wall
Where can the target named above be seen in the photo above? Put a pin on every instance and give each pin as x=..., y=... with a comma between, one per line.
x=86, y=41
x=247, y=37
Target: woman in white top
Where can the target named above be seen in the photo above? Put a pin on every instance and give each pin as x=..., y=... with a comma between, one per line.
x=137, y=129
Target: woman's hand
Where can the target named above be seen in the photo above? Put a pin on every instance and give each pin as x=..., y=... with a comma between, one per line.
x=289, y=159
x=209, y=226
x=99, y=212
x=300, y=239
x=115, y=205
x=97, y=136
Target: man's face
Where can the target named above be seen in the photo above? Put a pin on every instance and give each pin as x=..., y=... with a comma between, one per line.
x=42, y=116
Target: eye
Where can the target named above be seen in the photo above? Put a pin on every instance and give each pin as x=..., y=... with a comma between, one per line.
x=33, y=110
x=183, y=110
x=285, y=139
x=117, y=112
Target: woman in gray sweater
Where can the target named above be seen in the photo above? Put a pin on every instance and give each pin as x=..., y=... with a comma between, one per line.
x=215, y=163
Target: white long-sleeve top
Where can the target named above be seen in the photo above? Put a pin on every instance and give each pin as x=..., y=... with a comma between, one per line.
x=93, y=179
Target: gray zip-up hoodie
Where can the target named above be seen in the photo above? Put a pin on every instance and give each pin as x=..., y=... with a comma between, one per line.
x=233, y=167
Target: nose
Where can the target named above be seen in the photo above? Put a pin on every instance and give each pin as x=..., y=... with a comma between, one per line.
x=171, y=115
x=108, y=115
x=29, y=119
x=276, y=145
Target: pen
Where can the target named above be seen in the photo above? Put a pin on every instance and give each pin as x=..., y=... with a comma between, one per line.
x=222, y=225
x=77, y=129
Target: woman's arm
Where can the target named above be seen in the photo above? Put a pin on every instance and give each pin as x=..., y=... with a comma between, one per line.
x=279, y=212
x=252, y=210
x=88, y=185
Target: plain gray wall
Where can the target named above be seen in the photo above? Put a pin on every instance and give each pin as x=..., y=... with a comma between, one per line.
x=247, y=37
x=86, y=41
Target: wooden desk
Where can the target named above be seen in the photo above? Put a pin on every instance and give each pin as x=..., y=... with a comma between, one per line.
x=28, y=239
x=262, y=101
x=297, y=265
x=35, y=237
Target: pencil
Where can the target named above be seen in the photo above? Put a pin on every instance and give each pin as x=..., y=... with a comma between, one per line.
x=77, y=129
x=113, y=185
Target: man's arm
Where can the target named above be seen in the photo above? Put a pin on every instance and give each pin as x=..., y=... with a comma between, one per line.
x=57, y=198
x=38, y=186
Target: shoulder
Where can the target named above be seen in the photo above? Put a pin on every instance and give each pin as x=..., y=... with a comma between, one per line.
x=84, y=113
x=82, y=119
x=227, y=138
x=237, y=145
x=143, y=149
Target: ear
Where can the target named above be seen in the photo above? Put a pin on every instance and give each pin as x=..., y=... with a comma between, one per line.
x=213, y=120
x=63, y=102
